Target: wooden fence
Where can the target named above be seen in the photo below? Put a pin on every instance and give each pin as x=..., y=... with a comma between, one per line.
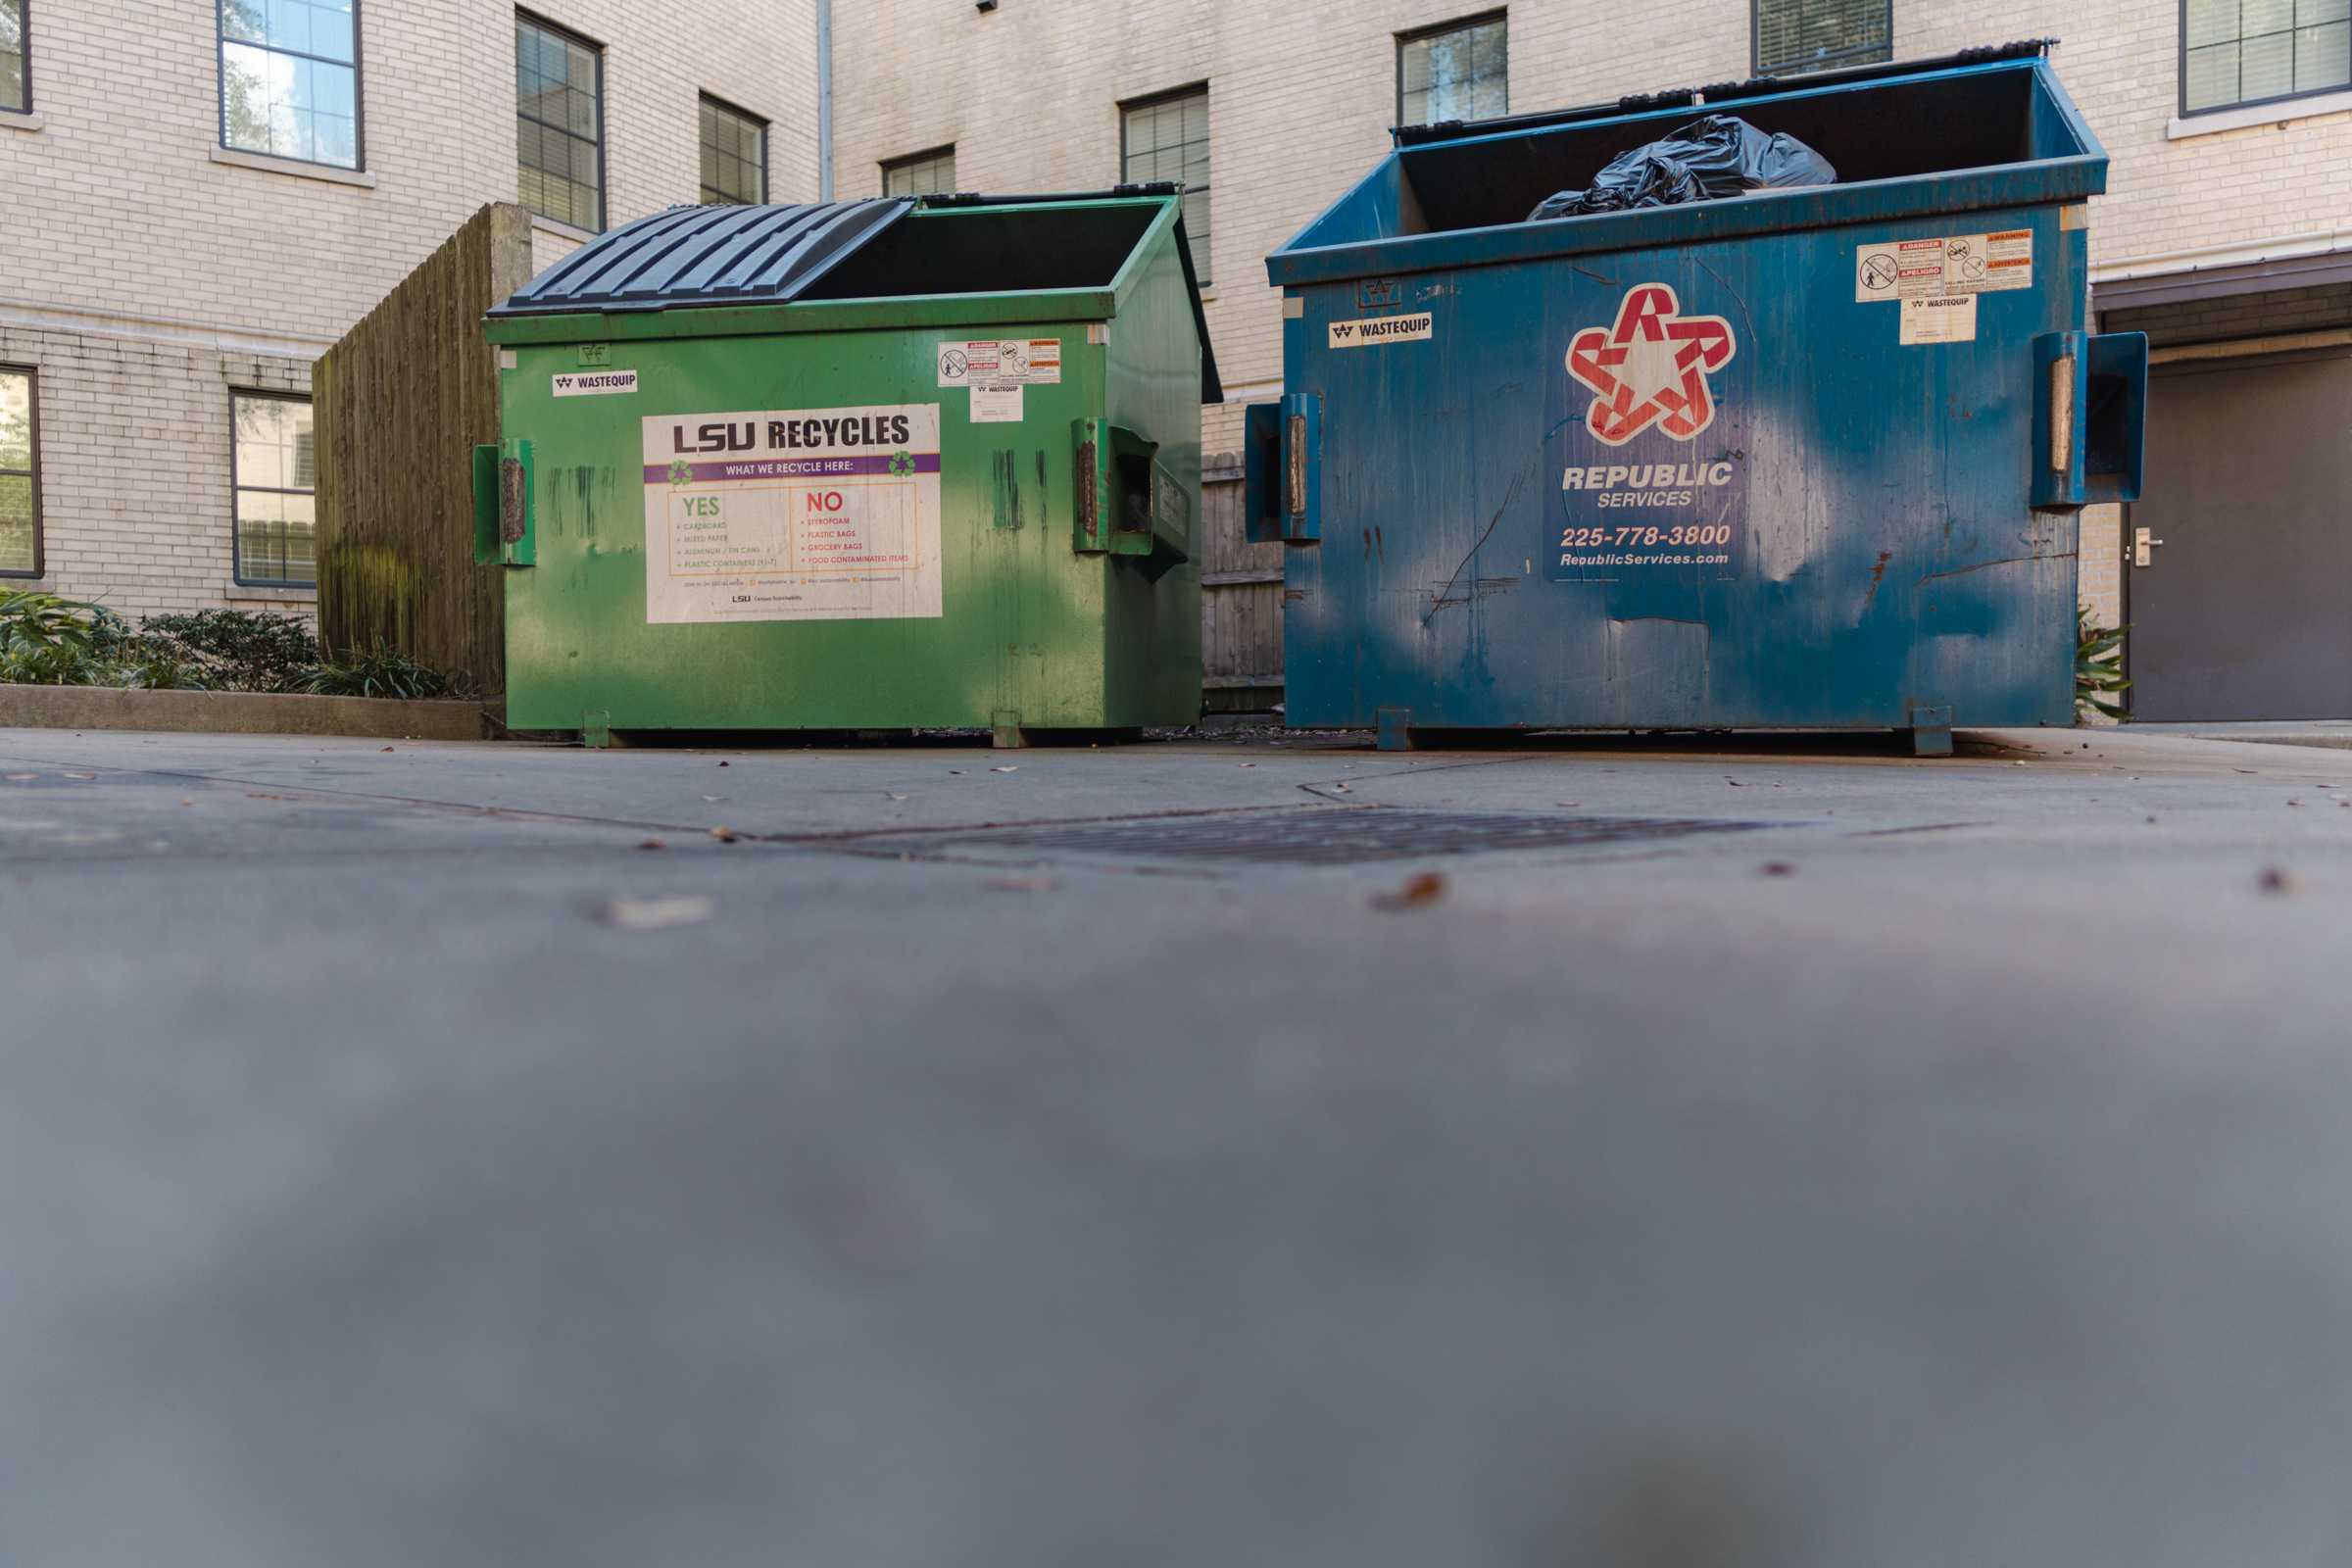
x=399, y=405
x=1240, y=600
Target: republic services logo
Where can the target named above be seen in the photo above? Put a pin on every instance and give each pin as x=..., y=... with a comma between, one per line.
x=1651, y=368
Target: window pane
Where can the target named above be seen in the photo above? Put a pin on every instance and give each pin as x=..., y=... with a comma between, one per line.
x=2211, y=76
x=560, y=127
x=2266, y=66
x=926, y=175
x=2211, y=21
x=2258, y=17
x=2322, y=57
x=276, y=468
x=11, y=54
x=16, y=419
x=284, y=104
x=732, y=154
x=1796, y=35
x=16, y=522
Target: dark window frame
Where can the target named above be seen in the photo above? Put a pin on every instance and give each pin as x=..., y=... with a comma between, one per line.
x=738, y=111
x=1502, y=13
x=1755, y=45
x=33, y=402
x=25, y=53
x=1153, y=100
x=604, y=172
x=2181, y=97
x=946, y=149
x=236, y=540
x=359, y=88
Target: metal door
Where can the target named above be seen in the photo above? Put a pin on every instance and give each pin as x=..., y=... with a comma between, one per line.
x=2242, y=596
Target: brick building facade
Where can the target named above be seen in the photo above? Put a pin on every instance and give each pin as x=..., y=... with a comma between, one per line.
x=150, y=270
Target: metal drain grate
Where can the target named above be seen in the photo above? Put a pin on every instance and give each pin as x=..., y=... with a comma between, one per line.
x=1341, y=837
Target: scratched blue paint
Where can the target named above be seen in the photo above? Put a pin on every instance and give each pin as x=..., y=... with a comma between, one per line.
x=1885, y=555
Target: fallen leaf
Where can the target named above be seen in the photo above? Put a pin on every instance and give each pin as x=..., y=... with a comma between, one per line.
x=1339, y=787
x=656, y=914
x=714, y=797
x=1778, y=868
x=84, y=777
x=725, y=835
x=954, y=772
x=1249, y=765
x=387, y=748
x=722, y=764
x=898, y=797
x=187, y=802
x=21, y=778
x=1734, y=783
x=1019, y=884
x=1012, y=769
x=653, y=844
x=2295, y=802
x=1569, y=803
x=2274, y=880
x=1419, y=892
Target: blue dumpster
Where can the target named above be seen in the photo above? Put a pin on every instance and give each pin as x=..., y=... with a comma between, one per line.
x=1800, y=458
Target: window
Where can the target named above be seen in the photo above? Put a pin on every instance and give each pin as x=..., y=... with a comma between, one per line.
x=2258, y=51
x=923, y=174
x=734, y=154
x=560, y=123
x=1167, y=138
x=15, y=68
x=271, y=472
x=20, y=475
x=1457, y=72
x=1799, y=36
x=290, y=80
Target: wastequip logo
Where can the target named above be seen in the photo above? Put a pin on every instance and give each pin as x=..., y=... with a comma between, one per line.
x=1651, y=368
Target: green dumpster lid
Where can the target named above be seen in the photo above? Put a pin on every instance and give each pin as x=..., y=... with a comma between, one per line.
x=707, y=256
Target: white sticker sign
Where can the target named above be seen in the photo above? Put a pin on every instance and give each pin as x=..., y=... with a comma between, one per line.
x=997, y=405
x=594, y=383
x=1005, y=362
x=1941, y=266
x=1373, y=331
x=793, y=514
x=1949, y=318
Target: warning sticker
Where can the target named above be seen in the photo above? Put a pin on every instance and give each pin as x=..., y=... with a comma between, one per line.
x=1955, y=263
x=1009, y=362
x=997, y=405
x=594, y=383
x=793, y=514
x=1951, y=318
x=1373, y=331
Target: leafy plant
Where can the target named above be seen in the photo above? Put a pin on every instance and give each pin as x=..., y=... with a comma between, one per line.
x=379, y=671
x=47, y=640
x=2098, y=665
x=231, y=650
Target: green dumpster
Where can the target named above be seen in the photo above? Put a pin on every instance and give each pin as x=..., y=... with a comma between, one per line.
x=870, y=465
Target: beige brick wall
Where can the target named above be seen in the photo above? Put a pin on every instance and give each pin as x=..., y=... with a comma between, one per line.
x=143, y=276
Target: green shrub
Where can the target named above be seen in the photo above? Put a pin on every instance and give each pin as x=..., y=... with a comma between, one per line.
x=231, y=650
x=380, y=670
x=46, y=640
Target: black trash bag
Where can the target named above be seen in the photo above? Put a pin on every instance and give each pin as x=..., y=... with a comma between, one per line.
x=1721, y=155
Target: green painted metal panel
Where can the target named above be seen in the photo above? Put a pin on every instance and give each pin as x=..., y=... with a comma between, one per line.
x=775, y=462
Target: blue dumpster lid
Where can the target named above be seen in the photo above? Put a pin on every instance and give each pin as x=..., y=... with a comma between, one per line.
x=707, y=256
x=1980, y=129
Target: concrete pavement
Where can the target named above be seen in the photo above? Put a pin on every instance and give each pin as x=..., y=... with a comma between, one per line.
x=1894, y=1162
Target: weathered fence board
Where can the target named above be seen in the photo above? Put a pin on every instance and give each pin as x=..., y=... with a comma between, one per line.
x=400, y=404
x=1240, y=600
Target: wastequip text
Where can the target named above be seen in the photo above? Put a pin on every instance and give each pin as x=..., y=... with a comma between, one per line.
x=1646, y=484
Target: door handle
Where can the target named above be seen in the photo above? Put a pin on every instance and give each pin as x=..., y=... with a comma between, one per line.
x=2144, y=546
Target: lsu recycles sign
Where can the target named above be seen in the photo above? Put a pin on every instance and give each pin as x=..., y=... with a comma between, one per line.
x=1650, y=420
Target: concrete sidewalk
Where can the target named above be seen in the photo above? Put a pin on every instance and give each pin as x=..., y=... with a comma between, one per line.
x=1784, y=1153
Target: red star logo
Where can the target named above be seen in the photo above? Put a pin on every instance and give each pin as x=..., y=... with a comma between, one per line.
x=1651, y=368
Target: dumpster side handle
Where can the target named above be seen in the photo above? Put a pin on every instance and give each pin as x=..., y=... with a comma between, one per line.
x=2091, y=408
x=1124, y=501
x=502, y=506
x=1282, y=467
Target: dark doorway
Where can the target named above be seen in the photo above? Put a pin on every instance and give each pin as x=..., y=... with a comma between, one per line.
x=2245, y=610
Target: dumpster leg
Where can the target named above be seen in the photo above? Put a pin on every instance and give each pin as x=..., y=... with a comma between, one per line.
x=1396, y=729
x=1009, y=736
x=1930, y=732
x=595, y=730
